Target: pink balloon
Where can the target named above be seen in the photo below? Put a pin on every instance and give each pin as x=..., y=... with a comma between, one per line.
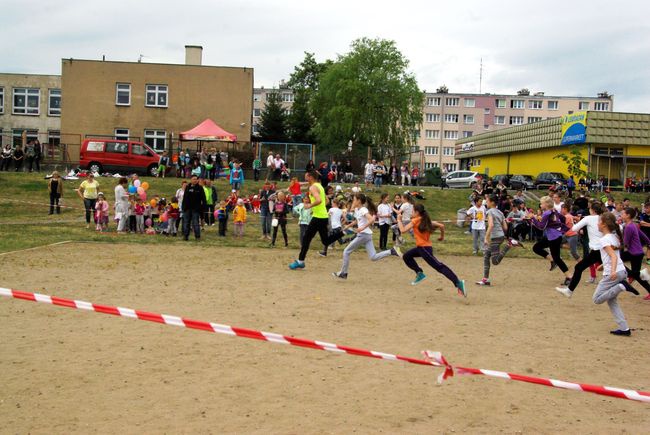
x=140, y=190
x=136, y=183
x=143, y=196
x=148, y=222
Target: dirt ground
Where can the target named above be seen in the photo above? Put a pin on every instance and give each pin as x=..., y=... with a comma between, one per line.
x=69, y=371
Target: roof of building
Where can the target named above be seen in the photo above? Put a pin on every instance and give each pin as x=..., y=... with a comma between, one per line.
x=611, y=128
x=532, y=95
x=70, y=59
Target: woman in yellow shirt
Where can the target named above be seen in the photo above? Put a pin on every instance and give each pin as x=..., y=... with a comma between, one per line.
x=88, y=191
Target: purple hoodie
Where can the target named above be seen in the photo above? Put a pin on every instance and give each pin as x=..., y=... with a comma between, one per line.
x=550, y=224
x=634, y=239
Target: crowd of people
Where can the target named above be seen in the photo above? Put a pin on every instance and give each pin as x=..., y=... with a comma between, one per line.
x=27, y=159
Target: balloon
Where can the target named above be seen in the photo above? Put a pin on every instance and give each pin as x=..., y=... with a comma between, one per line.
x=145, y=185
x=136, y=183
x=132, y=189
x=216, y=215
x=143, y=196
x=153, y=203
x=140, y=190
x=148, y=222
x=164, y=217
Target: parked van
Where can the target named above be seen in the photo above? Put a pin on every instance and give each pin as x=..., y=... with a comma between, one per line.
x=124, y=156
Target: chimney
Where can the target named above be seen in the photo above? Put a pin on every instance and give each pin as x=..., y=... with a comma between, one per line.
x=193, y=54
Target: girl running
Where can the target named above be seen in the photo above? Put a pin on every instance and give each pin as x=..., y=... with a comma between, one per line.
x=634, y=241
x=364, y=216
x=422, y=227
x=551, y=224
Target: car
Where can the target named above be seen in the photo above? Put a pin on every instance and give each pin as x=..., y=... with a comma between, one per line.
x=522, y=182
x=502, y=177
x=109, y=155
x=547, y=179
x=463, y=178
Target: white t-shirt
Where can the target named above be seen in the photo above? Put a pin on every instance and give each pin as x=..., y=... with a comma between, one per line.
x=356, y=189
x=361, y=215
x=335, y=217
x=591, y=222
x=407, y=211
x=478, y=217
x=610, y=240
x=385, y=210
x=558, y=206
x=278, y=163
x=269, y=161
x=369, y=168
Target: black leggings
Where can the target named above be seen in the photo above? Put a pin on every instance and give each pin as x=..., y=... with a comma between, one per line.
x=554, y=245
x=316, y=225
x=89, y=205
x=592, y=258
x=635, y=268
x=282, y=223
x=383, y=236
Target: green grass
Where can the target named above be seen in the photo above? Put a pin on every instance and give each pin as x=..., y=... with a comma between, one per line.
x=24, y=225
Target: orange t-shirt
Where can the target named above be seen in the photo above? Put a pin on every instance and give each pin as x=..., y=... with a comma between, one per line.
x=421, y=239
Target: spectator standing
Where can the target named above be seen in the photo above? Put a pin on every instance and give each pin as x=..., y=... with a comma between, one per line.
x=7, y=154
x=88, y=191
x=270, y=166
x=257, y=164
x=55, y=189
x=278, y=163
x=193, y=205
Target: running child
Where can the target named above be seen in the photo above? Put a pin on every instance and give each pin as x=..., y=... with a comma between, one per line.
x=364, y=215
x=422, y=227
x=304, y=216
x=634, y=241
x=336, y=231
x=550, y=222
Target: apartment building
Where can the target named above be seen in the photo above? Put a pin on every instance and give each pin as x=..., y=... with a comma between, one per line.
x=260, y=97
x=450, y=117
x=30, y=108
x=154, y=102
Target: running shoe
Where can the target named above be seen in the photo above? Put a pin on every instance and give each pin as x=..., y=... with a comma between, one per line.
x=624, y=333
x=396, y=251
x=418, y=278
x=553, y=266
x=513, y=243
x=297, y=265
x=566, y=291
x=322, y=253
x=340, y=275
x=484, y=281
x=460, y=286
x=647, y=297
x=626, y=286
x=567, y=281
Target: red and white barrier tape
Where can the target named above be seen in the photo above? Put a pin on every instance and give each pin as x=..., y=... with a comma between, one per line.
x=434, y=359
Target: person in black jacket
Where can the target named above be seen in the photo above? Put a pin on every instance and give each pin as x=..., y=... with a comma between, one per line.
x=193, y=205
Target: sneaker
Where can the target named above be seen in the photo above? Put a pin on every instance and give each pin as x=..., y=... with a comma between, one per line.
x=484, y=281
x=647, y=297
x=626, y=286
x=625, y=333
x=322, y=253
x=340, y=275
x=418, y=278
x=566, y=283
x=513, y=243
x=460, y=286
x=297, y=265
x=396, y=252
x=566, y=291
x=473, y=252
x=553, y=266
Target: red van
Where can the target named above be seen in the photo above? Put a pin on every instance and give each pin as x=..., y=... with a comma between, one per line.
x=123, y=156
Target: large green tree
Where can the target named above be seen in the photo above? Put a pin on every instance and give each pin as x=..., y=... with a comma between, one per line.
x=273, y=119
x=300, y=122
x=368, y=95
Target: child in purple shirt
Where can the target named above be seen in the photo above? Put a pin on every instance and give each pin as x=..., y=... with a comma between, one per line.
x=634, y=240
x=551, y=223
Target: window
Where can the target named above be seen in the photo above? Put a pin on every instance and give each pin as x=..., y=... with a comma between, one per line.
x=155, y=139
x=287, y=97
x=535, y=104
x=532, y=119
x=432, y=117
x=433, y=101
x=448, y=167
x=156, y=96
x=53, y=137
x=431, y=151
x=486, y=111
x=26, y=101
x=451, y=118
x=475, y=162
x=601, y=106
x=451, y=134
x=139, y=150
x=470, y=102
x=54, y=103
x=121, y=134
x=431, y=134
x=429, y=165
x=256, y=128
x=123, y=94
x=448, y=151
x=500, y=103
x=500, y=120
x=516, y=120
x=552, y=105
x=468, y=119
x=257, y=97
x=257, y=112
x=2, y=100
x=287, y=112
x=468, y=133
x=583, y=105
x=17, y=133
x=516, y=104
x=452, y=101
x=117, y=147
x=416, y=134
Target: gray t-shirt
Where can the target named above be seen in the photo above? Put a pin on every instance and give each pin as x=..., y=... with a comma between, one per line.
x=497, y=219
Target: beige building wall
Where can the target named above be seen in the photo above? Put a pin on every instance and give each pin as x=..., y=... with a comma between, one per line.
x=448, y=117
x=194, y=93
x=45, y=124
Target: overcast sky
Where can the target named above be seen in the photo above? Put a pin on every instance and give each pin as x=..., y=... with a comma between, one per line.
x=560, y=47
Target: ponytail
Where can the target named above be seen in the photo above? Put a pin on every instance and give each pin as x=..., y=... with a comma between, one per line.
x=425, y=225
x=367, y=202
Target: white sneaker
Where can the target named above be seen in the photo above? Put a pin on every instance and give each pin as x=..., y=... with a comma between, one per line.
x=565, y=291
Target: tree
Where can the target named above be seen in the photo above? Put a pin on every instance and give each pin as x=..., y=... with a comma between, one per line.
x=575, y=163
x=368, y=96
x=300, y=122
x=273, y=119
x=306, y=76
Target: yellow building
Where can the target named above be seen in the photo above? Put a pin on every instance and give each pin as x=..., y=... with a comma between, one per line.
x=153, y=102
x=616, y=145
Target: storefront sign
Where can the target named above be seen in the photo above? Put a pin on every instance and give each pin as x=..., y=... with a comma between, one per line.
x=574, y=128
x=469, y=146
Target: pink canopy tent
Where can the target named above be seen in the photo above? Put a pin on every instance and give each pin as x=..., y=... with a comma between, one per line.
x=208, y=130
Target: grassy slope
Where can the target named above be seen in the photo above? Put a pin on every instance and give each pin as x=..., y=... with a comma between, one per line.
x=26, y=225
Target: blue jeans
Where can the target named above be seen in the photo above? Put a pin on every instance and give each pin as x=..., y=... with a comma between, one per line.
x=378, y=180
x=265, y=216
x=191, y=217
